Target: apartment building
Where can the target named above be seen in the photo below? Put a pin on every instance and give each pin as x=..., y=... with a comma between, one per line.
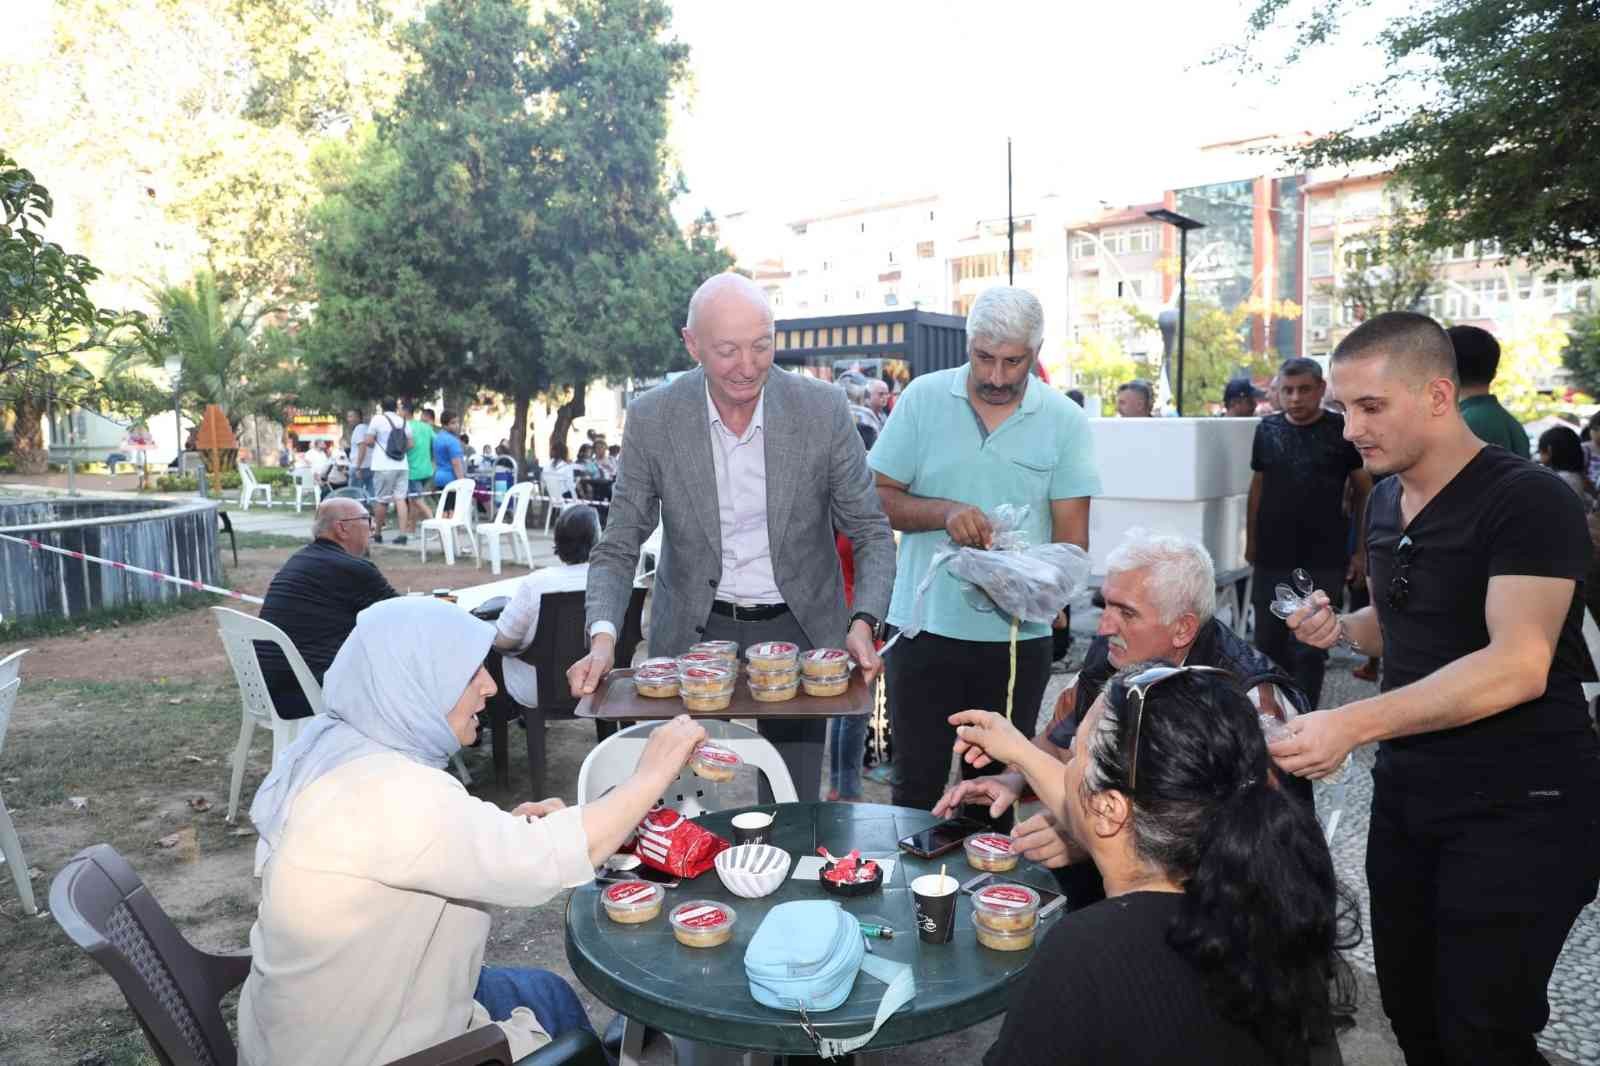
x=1113, y=264
x=1345, y=219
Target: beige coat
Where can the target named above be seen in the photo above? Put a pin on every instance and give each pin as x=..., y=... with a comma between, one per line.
x=369, y=938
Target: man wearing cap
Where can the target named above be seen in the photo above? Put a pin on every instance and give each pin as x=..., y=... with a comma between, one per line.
x=1239, y=398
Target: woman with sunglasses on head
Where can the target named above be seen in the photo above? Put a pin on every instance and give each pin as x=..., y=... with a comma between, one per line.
x=1219, y=938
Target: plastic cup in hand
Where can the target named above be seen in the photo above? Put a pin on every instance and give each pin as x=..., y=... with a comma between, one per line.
x=1274, y=729
x=935, y=898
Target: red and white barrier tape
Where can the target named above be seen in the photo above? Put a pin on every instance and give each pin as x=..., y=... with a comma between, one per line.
x=130, y=568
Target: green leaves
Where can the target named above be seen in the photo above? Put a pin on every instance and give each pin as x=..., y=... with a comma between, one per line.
x=1490, y=112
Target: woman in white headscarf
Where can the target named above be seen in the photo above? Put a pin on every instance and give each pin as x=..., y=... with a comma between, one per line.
x=374, y=861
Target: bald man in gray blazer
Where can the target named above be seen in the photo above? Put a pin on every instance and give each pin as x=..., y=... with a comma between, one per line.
x=749, y=471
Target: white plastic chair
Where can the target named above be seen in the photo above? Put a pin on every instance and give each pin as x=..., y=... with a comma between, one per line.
x=1591, y=640
x=454, y=515
x=10, y=846
x=516, y=527
x=239, y=631
x=554, y=486
x=305, y=481
x=613, y=760
x=249, y=486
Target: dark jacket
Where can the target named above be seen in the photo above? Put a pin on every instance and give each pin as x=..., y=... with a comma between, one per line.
x=1215, y=645
x=314, y=598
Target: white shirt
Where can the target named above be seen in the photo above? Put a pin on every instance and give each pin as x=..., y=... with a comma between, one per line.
x=741, y=465
x=380, y=429
x=520, y=621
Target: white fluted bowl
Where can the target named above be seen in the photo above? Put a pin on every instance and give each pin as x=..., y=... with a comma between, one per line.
x=753, y=870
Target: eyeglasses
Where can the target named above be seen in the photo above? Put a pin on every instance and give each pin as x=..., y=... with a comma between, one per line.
x=1400, y=583
x=359, y=518
x=1138, y=687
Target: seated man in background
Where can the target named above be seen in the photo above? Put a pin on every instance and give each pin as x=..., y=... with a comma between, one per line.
x=1160, y=593
x=315, y=598
x=577, y=531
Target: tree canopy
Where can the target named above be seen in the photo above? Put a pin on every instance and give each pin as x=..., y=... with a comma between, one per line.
x=1490, y=113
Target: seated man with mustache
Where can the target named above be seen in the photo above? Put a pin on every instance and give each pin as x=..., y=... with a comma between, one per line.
x=1160, y=592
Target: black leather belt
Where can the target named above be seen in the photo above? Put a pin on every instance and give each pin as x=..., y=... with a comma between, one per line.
x=759, y=612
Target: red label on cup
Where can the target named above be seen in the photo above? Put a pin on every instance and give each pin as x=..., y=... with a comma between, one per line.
x=634, y=892
x=826, y=655
x=699, y=658
x=702, y=917
x=994, y=845
x=772, y=649
x=1008, y=896
x=722, y=756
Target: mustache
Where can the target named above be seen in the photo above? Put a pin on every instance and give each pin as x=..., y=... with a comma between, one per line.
x=1117, y=643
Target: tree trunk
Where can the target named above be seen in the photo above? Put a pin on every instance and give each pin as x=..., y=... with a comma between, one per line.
x=32, y=457
x=566, y=414
x=519, y=426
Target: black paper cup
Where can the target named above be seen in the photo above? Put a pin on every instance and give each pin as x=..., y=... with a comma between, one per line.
x=935, y=899
x=752, y=827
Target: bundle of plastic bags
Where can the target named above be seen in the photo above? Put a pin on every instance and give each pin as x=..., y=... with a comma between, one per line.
x=1012, y=578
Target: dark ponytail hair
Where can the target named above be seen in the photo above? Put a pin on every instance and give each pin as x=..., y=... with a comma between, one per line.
x=1263, y=917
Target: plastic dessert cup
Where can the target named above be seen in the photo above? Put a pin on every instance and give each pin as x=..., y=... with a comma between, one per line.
x=814, y=687
x=1007, y=908
x=657, y=682
x=774, y=693
x=705, y=680
x=715, y=763
x=825, y=663
x=772, y=656
x=699, y=658
x=702, y=923
x=997, y=941
x=632, y=902
x=725, y=650
x=991, y=852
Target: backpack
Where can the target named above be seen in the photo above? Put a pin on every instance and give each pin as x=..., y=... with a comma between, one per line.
x=398, y=442
x=805, y=956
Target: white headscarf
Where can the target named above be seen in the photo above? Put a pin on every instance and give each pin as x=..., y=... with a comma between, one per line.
x=397, y=676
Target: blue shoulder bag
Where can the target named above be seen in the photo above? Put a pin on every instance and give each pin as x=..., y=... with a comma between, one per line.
x=804, y=957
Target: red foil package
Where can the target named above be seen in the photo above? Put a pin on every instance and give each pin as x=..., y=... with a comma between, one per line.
x=669, y=842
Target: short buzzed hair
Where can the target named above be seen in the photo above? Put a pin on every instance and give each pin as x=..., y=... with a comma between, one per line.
x=1299, y=364
x=1412, y=341
x=1477, y=354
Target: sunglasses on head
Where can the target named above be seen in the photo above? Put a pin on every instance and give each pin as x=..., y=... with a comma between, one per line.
x=1138, y=688
x=1400, y=583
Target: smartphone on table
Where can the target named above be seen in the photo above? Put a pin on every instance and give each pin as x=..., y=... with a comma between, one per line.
x=938, y=839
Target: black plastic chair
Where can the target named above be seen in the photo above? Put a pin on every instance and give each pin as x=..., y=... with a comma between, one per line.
x=557, y=644
x=176, y=990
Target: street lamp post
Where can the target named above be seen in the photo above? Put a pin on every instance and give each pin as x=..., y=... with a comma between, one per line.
x=1184, y=224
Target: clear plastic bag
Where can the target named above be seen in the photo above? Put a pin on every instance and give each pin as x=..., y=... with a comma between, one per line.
x=1011, y=578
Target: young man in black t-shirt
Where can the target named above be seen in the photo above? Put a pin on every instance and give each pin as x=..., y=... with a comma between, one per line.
x=1485, y=837
x=1296, y=517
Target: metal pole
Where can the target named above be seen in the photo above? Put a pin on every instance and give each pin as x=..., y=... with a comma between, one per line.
x=1183, y=272
x=1011, y=225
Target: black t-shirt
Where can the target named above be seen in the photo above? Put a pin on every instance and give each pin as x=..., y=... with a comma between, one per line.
x=1301, y=521
x=314, y=598
x=1500, y=515
x=1105, y=988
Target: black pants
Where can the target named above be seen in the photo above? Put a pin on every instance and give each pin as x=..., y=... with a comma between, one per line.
x=1303, y=662
x=931, y=678
x=1473, y=896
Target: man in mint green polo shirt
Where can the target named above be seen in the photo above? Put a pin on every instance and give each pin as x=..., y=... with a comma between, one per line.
x=1477, y=360
x=960, y=443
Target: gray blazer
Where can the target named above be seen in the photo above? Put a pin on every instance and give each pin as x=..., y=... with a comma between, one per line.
x=817, y=480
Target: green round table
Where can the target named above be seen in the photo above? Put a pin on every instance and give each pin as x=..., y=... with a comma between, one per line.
x=700, y=994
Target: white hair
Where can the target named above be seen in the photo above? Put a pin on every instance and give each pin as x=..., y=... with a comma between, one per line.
x=1180, y=579
x=1006, y=315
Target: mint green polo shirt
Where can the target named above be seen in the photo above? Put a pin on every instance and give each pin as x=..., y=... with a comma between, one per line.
x=934, y=443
